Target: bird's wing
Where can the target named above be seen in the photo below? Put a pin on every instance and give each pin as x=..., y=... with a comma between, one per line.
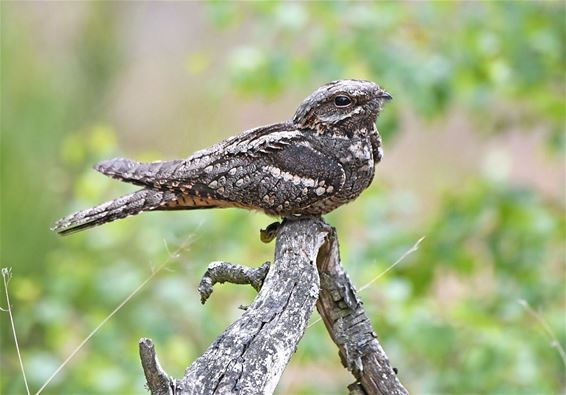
x=168, y=173
x=278, y=172
x=271, y=168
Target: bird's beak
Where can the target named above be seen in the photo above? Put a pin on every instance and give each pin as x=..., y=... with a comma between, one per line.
x=384, y=95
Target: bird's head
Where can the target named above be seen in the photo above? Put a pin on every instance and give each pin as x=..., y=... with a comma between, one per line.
x=348, y=103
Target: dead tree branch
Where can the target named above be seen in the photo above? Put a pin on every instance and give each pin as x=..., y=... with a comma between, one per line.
x=221, y=272
x=350, y=328
x=158, y=382
x=251, y=354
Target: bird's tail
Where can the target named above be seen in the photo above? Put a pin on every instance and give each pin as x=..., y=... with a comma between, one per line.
x=138, y=173
x=131, y=204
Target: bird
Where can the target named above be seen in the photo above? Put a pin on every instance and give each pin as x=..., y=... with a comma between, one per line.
x=319, y=160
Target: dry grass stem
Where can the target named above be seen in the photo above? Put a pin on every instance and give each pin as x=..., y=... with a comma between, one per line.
x=170, y=258
x=401, y=258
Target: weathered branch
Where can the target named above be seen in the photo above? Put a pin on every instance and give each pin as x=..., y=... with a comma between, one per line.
x=251, y=354
x=158, y=382
x=350, y=328
x=221, y=272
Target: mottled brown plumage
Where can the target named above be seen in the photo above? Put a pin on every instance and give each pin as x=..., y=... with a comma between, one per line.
x=321, y=159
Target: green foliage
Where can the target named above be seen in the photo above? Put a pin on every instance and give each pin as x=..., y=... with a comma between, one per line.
x=431, y=55
x=448, y=315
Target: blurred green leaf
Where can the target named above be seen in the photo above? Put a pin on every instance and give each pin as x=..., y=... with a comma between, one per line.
x=447, y=314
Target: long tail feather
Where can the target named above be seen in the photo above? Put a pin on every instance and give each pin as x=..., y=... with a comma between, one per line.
x=132, y=204
x=145, y=174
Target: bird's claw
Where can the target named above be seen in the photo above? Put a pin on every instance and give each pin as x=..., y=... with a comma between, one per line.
x=269, y=233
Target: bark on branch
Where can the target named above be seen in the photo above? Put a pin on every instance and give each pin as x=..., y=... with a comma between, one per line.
x=221, y=272
x=251, y=354
x=350, y=328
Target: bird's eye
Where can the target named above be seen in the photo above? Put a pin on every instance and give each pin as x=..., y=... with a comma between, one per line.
x=342, y=101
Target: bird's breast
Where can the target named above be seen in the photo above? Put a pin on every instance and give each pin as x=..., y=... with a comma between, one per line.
x=358, y=164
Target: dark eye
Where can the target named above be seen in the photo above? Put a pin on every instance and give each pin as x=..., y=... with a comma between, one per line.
x=342, y=101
